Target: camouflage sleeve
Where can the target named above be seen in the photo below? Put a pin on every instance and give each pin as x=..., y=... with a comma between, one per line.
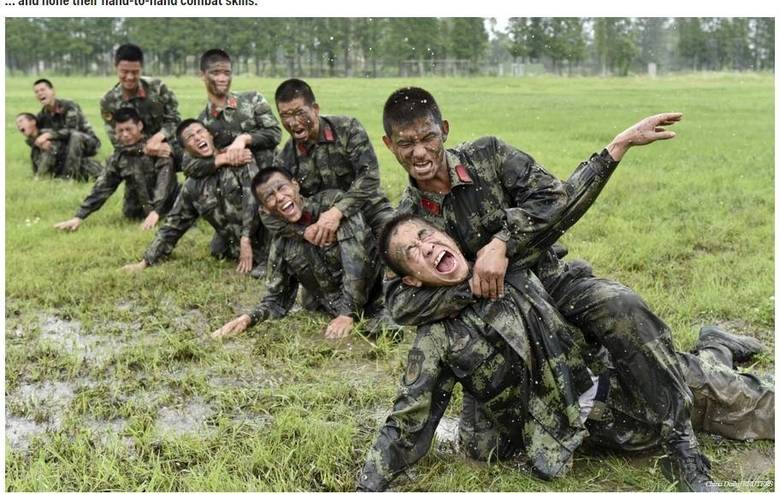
x=406, y=436
x=250, y=219
x=544, y=207
x=107, y=114
x=198, y=167
x=267, y=132
x=411, y=306
x=105, y=185
x=73, y=118
x=180, y=219
x=366, y=168
x=359, y=264
x=171, y=116
x=282, y=287
x=166, y=178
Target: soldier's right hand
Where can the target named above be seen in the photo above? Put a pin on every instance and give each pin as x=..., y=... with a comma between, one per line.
x=69, y=226
x=234, y=327
x=134, y=267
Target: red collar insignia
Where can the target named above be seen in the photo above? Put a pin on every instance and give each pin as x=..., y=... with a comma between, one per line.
x=306, y=219
x=140, y=93
x=327, y=134
x=430, y=206
x=303, y=149
x=232, y=102
x=463, y=174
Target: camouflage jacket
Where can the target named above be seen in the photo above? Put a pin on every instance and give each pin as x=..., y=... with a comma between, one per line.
x=342, y=159
x=499, y=191
x=515, y=355
x=224, y=200
x=245, y=113
x=65, y=117
x=152, y=180
x=46, y=162
x=341, y=276
x=154, y=102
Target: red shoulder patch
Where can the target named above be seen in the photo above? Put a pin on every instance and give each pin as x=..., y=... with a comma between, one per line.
x=430, y=206
x=463, y=174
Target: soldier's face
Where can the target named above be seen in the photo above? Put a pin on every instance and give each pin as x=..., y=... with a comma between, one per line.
x=281, y=197
x=129, y=133
x=419, y=148
x=198, y=141
x=129, y=74
x=430, y=256
x=217, y=78
x=26, y=126
x=44, y=93
x=300, y=120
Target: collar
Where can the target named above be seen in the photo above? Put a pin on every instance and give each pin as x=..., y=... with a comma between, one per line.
x=309, y=214
x=56, y=108
x=230, y=102
x=140, y=92
x=459, y=176
x=326, y=136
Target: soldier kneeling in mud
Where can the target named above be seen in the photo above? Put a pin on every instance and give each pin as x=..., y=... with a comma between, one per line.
x=539, y=388
x=344, y=278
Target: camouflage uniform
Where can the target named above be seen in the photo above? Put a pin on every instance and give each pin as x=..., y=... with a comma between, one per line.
x=244, y=113
x=500, y=191
x=344, y=278
x=224, y=200
x=74, y=143
x=488, y=348
x=342, y=159
x=150, y=183
x=156, y=105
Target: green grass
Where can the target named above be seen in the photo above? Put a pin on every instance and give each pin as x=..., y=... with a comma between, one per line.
x=687, y=223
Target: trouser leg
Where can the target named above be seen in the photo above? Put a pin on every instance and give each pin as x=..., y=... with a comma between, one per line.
x=131, y=206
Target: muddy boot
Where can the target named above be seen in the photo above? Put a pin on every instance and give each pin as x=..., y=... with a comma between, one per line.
x=686, y=465
x=742, y=348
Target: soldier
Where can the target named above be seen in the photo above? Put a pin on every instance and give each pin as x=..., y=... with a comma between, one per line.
x=507, y=352
x=328, y=152
x=344, y=278
x=150, y=182
x=224, y=200
x=151, y=98
x=46, y=159
x=498, y=203
x=64, y=123
x=236, y=120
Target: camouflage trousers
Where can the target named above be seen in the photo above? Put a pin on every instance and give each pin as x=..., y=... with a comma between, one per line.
x=132, y=206
x=71, y=159
x=229, y=247
x=728, y=403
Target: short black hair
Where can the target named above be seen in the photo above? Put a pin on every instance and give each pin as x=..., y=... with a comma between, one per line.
x=27, y=115
x=129, y=53
x=387, y=234
x=126, y=114
x=44, y=81
x=407, y=105
x=183, y=126
x=264, y=176
x=294, y=88
x=212, y=56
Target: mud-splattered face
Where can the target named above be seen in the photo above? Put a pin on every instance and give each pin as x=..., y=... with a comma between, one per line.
x=281, y=197
x=419, y=148
x=218, y=77
x=198, y=141
x=300, y=120
x=430, y=256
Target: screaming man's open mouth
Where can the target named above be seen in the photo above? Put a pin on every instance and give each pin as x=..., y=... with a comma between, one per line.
x=445, y=262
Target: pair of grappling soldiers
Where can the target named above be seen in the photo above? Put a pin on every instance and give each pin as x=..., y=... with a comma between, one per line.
x=549, y=355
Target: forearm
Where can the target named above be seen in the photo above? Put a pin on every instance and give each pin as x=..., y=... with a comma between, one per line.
x=412, y=306
x=166, y=177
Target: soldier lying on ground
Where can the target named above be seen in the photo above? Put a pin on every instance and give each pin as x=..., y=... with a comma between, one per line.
x=224, y=200
x=66, y=124
x=151, y=186
x=501, y=207
x=238, y=121
x=151, y=98
x=542, y=390
x=49, y=158
x=344, y=278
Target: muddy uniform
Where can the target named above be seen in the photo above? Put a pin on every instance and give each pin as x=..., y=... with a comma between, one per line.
x=224, y=200
x=499, y=191
x=344, y=278
x=156, y=105
x=244, y=113
x=484, y=348
x=150, y=184
x=74, y=143
x=342, y=159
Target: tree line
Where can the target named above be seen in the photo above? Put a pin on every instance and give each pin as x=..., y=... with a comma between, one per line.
x=376, y=47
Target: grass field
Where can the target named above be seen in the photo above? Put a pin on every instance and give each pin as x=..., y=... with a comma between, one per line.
x=112, y=382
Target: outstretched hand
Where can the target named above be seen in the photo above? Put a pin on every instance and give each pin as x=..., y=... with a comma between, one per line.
x=69, y=226
x=233, y=328
x=646, y=131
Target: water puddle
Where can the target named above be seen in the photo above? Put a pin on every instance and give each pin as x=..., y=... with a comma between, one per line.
x=189, y=418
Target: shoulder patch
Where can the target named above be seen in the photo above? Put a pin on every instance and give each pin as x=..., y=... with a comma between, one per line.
x=430, y=206
x=413, y=366
x=463, y=174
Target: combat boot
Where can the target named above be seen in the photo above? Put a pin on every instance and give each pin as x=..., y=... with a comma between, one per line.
x=742, y=348
x=685, y=464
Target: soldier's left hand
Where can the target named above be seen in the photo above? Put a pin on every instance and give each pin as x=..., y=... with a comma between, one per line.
x=646, y=131
x=339, y=327
x=43, y=141
x=150, y=221
x=245, y=256
x=489, y=270
x=328, y=224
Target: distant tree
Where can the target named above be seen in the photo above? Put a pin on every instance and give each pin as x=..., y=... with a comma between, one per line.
x=467, y=39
